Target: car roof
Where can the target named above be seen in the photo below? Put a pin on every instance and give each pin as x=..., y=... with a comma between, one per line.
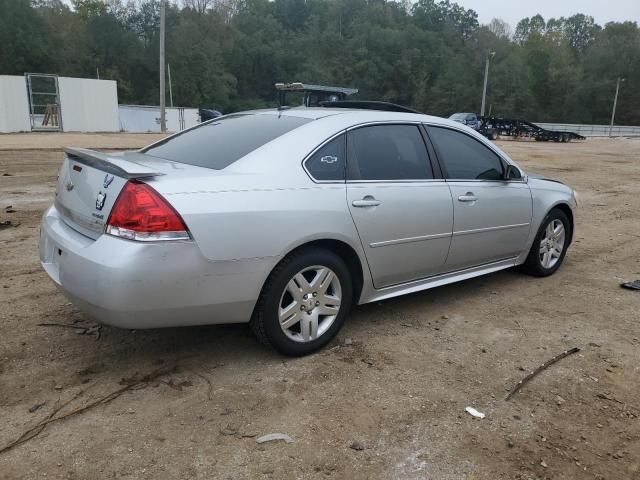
x=357, y=115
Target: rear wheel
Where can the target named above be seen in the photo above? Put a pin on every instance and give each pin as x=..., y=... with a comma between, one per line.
x=550, y=245
x=304, y=302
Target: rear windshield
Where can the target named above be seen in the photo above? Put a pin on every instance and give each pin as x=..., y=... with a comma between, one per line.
x=220, y=142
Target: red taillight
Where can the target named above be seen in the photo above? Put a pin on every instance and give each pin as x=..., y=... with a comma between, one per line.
x=140, y=213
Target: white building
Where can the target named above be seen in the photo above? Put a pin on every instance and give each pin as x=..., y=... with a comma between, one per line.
x=35, y=102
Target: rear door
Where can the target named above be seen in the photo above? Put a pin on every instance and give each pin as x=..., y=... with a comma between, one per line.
x=402, y=211
x=492, y=216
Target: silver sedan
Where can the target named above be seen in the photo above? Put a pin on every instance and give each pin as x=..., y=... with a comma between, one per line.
x=286, y=218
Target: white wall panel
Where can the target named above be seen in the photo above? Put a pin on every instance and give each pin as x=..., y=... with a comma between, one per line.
x=14, y=104
x=88, y=105
x=143, y=118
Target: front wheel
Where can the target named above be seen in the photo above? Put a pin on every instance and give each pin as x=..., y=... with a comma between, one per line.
x=550, y=245
x=304, y=302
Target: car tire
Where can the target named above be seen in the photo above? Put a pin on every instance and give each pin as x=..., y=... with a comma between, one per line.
x=544, y=258
x=291, y=315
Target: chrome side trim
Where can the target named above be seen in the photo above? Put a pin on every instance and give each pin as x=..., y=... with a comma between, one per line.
x=489, y=229
x=436, y=281
x=408, y=240
x=402, y=180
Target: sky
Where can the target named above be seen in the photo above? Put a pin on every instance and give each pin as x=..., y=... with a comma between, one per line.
x=512, y=11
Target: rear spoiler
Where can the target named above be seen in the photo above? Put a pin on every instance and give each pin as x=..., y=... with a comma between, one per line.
x=120, y=164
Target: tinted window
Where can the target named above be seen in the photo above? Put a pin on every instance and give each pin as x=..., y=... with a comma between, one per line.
x=387, y=152
x=465, y=158
x=328, y=163
x=220, y=142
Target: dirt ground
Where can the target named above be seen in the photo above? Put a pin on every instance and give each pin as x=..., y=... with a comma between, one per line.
x=394, y=384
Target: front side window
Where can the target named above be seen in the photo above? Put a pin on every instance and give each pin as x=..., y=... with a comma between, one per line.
x=387, y=152
x=465, y=158
x=220, y=142
x=328, y=162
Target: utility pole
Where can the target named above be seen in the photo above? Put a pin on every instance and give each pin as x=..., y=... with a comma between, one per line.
x=486, y=78
x=163, y=122
x=170, y=90
x=615, y=104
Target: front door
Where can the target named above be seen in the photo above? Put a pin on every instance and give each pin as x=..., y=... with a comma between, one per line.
x=492, y=216
x=404, y=215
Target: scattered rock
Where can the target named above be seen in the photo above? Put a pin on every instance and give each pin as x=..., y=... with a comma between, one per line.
x=273, y=437
x=543, y=463
x=559, y=400
x=7, y=175
x=445, y=317
x=618, y=455
x=58, y=387
x=472, y=411
x=230, y=429
x=358, y=446
x=9, y=209
x=348, y=341
x=36, y=407
x=7, y=224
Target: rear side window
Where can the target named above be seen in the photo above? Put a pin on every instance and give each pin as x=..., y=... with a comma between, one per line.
x=328, y=162
x=387, y=152
x=220, y=142
x=463, y=157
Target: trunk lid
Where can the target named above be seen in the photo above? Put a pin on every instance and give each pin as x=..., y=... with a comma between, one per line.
x=89, y=183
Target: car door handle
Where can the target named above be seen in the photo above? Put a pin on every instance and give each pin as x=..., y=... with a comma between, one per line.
x=367, y=201
x=468, y=197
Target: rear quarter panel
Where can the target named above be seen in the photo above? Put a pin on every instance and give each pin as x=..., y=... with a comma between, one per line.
x=264, y=205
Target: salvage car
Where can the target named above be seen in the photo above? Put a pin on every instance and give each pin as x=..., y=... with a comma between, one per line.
x=286, y=218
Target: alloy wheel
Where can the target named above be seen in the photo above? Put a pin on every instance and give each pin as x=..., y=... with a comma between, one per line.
x=309, y=303
x=552, y=244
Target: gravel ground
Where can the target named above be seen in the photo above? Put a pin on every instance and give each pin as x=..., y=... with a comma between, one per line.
x=385, y=400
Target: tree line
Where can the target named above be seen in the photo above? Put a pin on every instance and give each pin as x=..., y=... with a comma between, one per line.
x=428, y=54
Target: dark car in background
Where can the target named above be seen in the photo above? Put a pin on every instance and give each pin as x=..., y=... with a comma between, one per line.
x=468, y=119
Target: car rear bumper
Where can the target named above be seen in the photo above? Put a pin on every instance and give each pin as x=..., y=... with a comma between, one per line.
x=146, y=285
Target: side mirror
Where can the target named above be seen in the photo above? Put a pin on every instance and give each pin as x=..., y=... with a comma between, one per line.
x=512, y=173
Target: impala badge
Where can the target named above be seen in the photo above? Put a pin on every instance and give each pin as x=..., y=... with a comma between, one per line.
x=100, y=200
x=107, y=180
x=69, y=186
